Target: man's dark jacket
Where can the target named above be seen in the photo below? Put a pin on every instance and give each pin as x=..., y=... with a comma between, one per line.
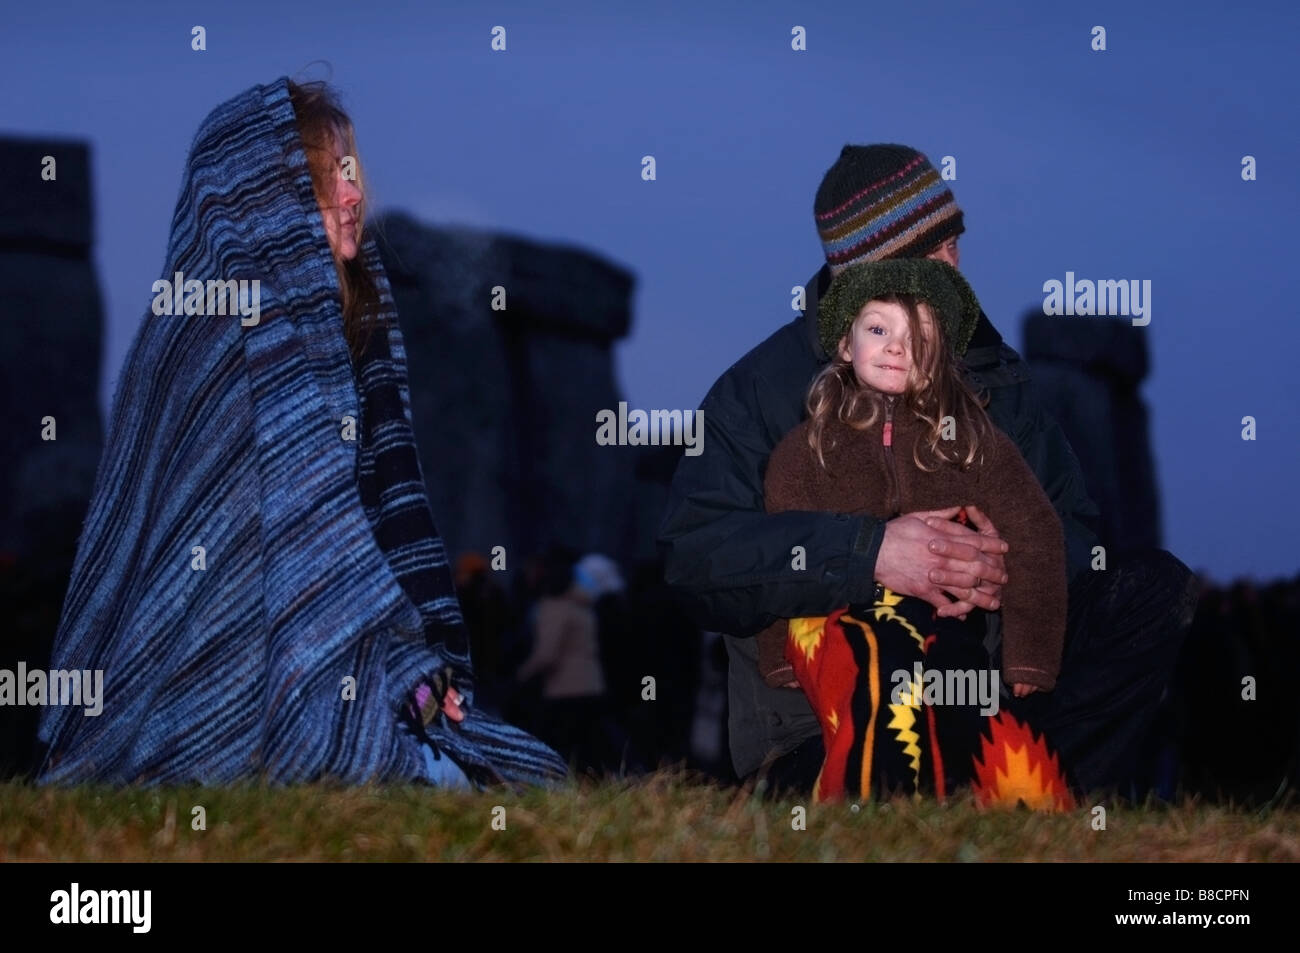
x=734, y=565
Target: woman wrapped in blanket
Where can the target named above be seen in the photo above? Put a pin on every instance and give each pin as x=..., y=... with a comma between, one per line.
x=259, y=577
x=904, y=697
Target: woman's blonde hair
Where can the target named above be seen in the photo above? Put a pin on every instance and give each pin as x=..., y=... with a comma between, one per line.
x=935, y=390
x=321, y=120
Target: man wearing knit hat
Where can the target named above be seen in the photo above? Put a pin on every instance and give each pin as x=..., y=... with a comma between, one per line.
x=738, y=569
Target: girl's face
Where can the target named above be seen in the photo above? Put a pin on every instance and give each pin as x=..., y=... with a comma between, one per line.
x=338, y=208
x=879, y=346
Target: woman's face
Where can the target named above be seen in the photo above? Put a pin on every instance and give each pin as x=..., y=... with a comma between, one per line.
x=339, y=207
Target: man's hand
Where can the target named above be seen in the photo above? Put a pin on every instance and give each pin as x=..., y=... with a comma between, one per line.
x=970, y=546
x=926, y=555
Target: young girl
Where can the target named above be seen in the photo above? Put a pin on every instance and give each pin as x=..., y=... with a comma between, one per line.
x=893, y=428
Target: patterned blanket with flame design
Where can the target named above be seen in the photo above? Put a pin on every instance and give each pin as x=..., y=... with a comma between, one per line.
x=856, y=667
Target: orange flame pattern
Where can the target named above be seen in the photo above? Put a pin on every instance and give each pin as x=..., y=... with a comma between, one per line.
x=1014, y=766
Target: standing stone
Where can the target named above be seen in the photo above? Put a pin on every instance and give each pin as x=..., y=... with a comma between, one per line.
x=1088, y=373
x=505, y=402
x=51, y=311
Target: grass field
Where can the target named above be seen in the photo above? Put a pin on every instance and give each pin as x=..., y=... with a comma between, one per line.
x=665, y=817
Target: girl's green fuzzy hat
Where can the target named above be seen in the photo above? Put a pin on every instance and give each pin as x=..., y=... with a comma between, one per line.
x=937, y=282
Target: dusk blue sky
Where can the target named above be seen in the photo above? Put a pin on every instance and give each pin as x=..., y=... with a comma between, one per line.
x=1117, y=164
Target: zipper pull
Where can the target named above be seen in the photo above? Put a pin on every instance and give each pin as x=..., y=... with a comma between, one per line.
x=889, y=433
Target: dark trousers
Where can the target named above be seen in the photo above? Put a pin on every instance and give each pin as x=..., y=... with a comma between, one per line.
x=1126, y=625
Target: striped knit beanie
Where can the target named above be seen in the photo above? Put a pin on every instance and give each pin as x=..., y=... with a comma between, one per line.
x=883, y=201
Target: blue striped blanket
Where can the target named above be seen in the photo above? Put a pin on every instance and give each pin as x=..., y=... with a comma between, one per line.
x=262, y=591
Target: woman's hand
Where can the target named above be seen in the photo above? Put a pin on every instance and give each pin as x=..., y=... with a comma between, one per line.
x=440, y=695
x=1021, y=689
x=451, y=703
x=444, y=683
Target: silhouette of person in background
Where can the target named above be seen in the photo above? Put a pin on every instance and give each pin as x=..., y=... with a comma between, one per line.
x=575, y=715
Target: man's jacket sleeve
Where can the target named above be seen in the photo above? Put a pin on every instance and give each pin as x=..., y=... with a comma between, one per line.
x=737, y=568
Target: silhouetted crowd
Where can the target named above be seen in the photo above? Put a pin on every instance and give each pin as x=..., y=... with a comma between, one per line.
x=609, y=671
x=1231, y=725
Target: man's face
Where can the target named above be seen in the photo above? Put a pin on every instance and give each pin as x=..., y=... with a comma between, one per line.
x=947, y=251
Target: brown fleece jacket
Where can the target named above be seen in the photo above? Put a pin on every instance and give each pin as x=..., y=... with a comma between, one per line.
x=860, y=477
